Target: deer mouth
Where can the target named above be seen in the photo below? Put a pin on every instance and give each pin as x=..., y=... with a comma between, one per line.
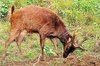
x=68, y=51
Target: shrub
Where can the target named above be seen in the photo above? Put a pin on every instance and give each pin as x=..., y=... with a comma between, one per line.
x=3, y=9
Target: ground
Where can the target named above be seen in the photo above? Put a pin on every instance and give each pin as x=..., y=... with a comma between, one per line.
x=71, y=60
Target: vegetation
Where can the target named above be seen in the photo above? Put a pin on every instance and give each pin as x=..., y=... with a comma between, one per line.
x=79, y=15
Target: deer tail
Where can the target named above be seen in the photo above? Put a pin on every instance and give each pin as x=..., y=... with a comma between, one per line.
x=12, y=9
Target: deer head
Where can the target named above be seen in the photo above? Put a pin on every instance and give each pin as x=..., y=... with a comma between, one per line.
x=72, y=44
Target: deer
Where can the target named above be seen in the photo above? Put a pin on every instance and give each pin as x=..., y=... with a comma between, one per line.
x=45, y=22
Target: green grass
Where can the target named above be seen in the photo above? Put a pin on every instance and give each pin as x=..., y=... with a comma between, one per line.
x=31, y=45
x=79, y=15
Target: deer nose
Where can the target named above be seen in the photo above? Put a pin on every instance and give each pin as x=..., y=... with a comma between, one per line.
x=65, y=55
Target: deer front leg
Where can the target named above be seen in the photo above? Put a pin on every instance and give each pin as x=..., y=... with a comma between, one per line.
x=42, y=41
x=54, y=41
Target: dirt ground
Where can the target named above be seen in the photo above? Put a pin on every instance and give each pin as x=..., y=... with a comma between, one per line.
x=71, y=60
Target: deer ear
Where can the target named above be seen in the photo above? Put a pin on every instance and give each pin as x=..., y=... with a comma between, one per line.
x=69, y=40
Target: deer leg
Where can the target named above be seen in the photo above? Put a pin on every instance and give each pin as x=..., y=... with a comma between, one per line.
x=42, y=41
x=13, y=35
x=55, y=44
x=20, y=38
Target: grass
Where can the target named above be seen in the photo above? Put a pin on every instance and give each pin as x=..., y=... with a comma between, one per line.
x=31, y=46
x=79, y=15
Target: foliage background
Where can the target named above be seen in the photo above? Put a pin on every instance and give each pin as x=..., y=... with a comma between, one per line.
x=79, y=15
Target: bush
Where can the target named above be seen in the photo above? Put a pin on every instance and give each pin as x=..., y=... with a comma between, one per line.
x=3, y=9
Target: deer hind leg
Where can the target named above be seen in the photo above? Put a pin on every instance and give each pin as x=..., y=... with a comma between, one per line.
x=54, y=41
x=20, y=38
x=13, y=35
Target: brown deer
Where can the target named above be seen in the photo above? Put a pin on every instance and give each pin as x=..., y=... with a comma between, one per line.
x=35, y=19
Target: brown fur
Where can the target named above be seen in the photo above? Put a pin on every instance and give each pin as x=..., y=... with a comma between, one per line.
x=40, y=20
